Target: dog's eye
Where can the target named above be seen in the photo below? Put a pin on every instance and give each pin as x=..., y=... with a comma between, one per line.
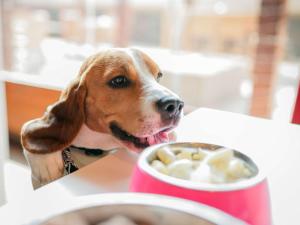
x=119, y=82
x=159, y=76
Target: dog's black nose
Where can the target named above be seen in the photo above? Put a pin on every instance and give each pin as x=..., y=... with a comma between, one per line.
x=169, y=107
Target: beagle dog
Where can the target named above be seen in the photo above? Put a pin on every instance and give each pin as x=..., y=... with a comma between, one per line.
x=116, y=101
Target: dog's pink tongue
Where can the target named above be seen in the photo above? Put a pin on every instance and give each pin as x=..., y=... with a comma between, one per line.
x=158, y=138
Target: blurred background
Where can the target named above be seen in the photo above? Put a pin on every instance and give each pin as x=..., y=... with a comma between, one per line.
x=240, y=56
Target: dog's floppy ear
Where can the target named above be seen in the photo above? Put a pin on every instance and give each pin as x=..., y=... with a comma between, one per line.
x=59, y=125
x=62, y=120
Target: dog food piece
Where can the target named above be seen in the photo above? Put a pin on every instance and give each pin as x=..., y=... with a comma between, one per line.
x=221, y=159
x=201, y=174
x=237, y=169
x=196, y=164
x=196, y=156
x=118, y=220
x=181, y=168
x=218, y=176
x=159, y=166
x=176, y=150
x=166, y=155
x=199, y=155
x=219, y=164
x=184, y=155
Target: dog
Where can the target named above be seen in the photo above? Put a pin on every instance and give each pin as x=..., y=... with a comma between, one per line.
x=116, y=101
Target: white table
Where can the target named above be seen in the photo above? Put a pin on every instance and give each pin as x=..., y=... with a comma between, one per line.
x=275, y=146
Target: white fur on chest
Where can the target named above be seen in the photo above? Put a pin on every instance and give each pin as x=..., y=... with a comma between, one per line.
x=88, y=138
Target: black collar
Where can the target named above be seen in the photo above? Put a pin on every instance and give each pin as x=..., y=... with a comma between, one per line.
x=90, y=151
x=69, y=164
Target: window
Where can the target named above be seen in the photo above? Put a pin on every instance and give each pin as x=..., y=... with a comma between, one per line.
x=209, y=44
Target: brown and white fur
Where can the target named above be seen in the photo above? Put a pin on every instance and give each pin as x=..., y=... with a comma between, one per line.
x=115, y=101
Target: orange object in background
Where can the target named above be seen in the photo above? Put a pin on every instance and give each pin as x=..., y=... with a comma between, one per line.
x=26, y=103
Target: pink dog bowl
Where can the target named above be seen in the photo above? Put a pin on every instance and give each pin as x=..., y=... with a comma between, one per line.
x=247, y=199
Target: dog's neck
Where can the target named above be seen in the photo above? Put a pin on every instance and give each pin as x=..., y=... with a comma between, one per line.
x=88, y=138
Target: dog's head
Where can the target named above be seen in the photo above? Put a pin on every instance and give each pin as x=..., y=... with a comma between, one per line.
x=117, y=91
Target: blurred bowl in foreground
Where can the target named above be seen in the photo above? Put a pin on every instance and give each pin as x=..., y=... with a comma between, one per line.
x=138, y=209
